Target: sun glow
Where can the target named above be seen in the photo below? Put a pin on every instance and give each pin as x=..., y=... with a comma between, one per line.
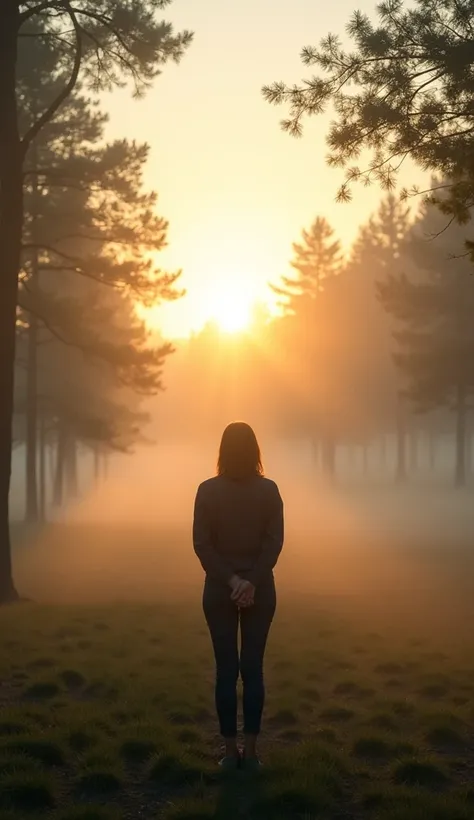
x=231, y=307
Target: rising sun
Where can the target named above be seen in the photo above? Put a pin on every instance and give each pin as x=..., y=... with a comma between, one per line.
x=231, y=308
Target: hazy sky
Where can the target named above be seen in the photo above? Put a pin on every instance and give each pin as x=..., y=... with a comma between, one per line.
x=236, y=190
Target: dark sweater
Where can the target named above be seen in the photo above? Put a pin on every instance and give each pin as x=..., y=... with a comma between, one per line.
x=238, y=527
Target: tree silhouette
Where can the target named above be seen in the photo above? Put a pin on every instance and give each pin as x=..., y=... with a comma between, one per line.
x=316, y=258
x=402, y=89
x=435, y=336
x=107, y=43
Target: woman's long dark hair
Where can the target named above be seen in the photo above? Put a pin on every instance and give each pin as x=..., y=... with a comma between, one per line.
x=239, y=453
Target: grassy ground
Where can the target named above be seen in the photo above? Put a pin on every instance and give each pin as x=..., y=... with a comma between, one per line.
x=107, y=712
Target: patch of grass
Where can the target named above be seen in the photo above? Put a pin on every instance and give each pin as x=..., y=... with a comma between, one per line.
x=170, y=770
x=382, y=721
x=137, y=751
x=326, y=735
x=42, y=663
x=44, y=751
x=389, y=669
x=403, y=708
x=90, y=813
x=336, y=714
x=188, y=736
x=310, y=693
x=192, y=808
x=291, y=799
x=418, y=773
x=72, y=679
x=351, y=689
x=445, y=737
x=26, y=793
x=99, y=782
x=15, y=763
x=372, y=748
x=283, y=718
x=290, y=735
x=180, y=718
x=434, y=691
x=84, y=644
x=43, y=690
x=80, y=741
x=8, y=728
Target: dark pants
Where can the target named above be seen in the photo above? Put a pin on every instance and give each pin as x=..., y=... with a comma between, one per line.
x=222, y=616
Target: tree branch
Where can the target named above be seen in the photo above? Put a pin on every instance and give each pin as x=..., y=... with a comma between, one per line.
x=66, y=91
x=28, y=13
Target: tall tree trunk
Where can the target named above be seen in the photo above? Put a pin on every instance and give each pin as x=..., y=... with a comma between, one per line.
x=11, y=223
x=32, y=422
x=32, y=364
x=105, y=461
x=383, y=452
x=461, y=419
x=413, y=451
x=432, y=452
x=58, y=491
x=401, y=443
x=42, y=468
x=71, y=467
x=96, y=455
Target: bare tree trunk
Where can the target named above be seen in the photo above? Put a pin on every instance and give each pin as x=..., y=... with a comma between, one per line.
x=105, y=461
x=432, y=452
x=401, y=443
x=42, y=469
x=96, y=455
x=31, y=423
x=461, y=414
x=413, y=451
x=32, y=383
x=71, y=466
x=384, y=452
x=58, y=491
x=11, y=223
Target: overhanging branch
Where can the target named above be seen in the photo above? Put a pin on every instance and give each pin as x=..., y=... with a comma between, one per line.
x=66, y=91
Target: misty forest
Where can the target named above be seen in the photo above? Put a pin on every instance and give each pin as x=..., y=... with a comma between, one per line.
x=352, y=358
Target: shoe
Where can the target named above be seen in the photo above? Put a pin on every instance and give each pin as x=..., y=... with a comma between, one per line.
x=251, y=764
x=229, y=764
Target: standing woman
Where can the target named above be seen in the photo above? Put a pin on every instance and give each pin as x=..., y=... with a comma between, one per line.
x=238, y=537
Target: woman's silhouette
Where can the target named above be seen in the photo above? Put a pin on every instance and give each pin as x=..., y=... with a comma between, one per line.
x=238, y=536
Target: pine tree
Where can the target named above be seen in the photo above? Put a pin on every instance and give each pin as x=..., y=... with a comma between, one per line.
x=435, y=334
x=67, y=226
x=379, y=252
x=391, y=89
x=109, y=42
x=316, y=259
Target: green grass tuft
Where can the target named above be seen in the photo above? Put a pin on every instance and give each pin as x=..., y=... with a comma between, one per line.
x=72, y=679
x=372, y=748
x=42, y=691
x=416, y=773
x=169, y=770
x=44, y=751
x=81, y=741
x=26, y=793
x=137, y=751
x=336, y=714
